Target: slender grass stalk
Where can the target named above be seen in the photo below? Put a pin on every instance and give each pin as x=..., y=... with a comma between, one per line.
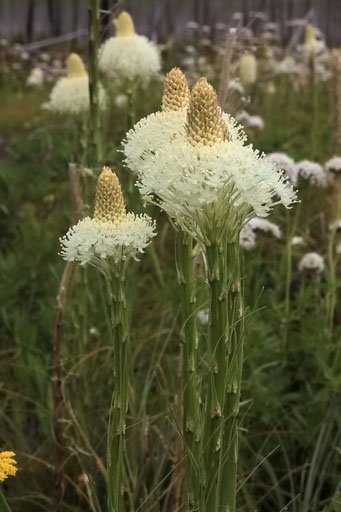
x=57, y=372
x=95, y=119
x=191, y=411
x=4, y=506
x=119, y=406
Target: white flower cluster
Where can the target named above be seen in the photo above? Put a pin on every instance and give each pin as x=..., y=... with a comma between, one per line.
x=132, y=58
x=312, y=172
x=286, y=163
x=35, y=78
x=312, y=261
x=71, y=96
x=250, y=122
x=248, y=234
x=186, y=179
x=334, y=165
x=92, y=241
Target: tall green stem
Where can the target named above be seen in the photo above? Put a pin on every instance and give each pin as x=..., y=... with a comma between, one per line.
x=95, y=124
x=4, y=506
x=191, y=413
x=117, y=426
x=225, y=365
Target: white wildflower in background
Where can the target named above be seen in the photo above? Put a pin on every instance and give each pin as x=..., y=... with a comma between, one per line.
x=312, y=261
x=112, y=234
x=248, y=69
x=205, y=172
x=128, y=56
x=247, y=237
x=36, y=78
x=70, y=94
x=311, y=46
x=287, y=66
x=286, y=163
x=203, y=316
x=297, y=240
x=333, y=166
x=264, y=225
x=236, y=86
x=121, y=101
x=250, y=122
x=335, y=225
x=312, y=172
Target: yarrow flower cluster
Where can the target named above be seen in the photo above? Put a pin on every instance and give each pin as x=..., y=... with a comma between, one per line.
x=248, y=234
x=7, y=465
x=70, y=94
x=286, y=163
x=200, y=168
x=312, y=172
x=312, y=261
x=128, y=56
x=112, y=235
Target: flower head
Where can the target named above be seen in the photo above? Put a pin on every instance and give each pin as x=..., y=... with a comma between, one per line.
x=112, y=234
x=36, y=78
x=312, y=261
x=248, y=69
x=70, y=94
x=311, y=45
x=7, y=465
x=155, y=130
x=333, y=166
x=204, y=173
x=128, y=56
x=312, y=172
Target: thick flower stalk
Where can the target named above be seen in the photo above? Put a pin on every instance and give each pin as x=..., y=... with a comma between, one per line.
x=211, y=183
x=70, y=95
x=129, y=56
x=109, y=241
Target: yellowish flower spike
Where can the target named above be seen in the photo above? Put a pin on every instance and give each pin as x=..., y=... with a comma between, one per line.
x=175, y=91
x=109, y=201
x=309, y=35
x=124, y=25
x=7, y=465
x=75, y=66
x=205, y=125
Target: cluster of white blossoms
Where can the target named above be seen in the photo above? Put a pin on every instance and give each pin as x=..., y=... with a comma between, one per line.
x=311, y=172
x=35, y=78
x=112, y=235
x=248, y=234
x=199, y=167
x=128, y=56
x=333, y=166
x=286, y=163
x=250, y=122
x=70, y=94
x=312, y=261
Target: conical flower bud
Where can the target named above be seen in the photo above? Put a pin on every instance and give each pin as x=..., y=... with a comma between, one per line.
x=124, y=25
x=205, y=125
x=75, y=66
x=175, y=91
x=109, y=201
x=309, y=35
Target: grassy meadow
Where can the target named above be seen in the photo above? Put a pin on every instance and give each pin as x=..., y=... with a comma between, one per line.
x=290, y=414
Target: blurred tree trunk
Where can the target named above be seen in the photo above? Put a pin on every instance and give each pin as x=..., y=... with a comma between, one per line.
x=30, y=21
x=245, y=11
x=54, y=10
x=75, y=15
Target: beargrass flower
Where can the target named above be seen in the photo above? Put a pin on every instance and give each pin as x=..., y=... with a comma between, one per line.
x=333, y=166
x=7, y=465
x=248, y=69
x=202, y=172
x=129, y=56
x=112, y=235
x=311, y=45
x=35, y=78
x=70, y=94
